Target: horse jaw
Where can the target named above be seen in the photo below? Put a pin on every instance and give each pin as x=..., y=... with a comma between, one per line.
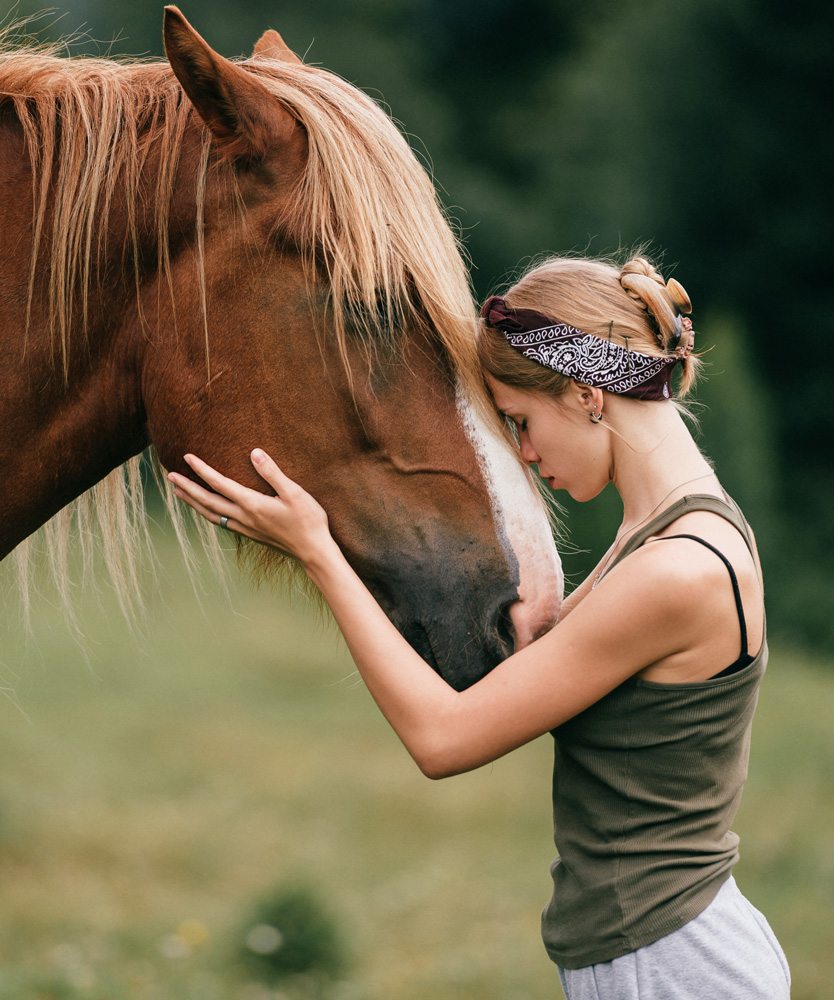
x=521, y=524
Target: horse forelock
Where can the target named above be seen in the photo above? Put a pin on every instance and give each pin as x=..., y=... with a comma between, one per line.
x=364, y=206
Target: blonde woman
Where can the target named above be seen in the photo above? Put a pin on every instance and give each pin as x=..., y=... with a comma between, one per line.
x=649, y=680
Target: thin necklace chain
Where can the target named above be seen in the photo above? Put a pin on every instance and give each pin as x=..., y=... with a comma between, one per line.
x=623, y=532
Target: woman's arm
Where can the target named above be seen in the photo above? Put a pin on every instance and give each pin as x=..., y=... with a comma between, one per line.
x=607, y=638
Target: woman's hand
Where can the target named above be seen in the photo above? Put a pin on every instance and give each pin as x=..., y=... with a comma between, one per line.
x=292, y=521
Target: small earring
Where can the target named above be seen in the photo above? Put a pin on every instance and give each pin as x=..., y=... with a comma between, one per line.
x=595, y=415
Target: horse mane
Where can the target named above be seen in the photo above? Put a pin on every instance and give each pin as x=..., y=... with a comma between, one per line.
x=387, y=257
x=391, y=259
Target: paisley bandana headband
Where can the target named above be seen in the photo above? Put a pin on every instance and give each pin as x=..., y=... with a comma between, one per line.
x=581, y=356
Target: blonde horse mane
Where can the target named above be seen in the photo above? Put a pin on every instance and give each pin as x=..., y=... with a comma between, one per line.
x=390, y=258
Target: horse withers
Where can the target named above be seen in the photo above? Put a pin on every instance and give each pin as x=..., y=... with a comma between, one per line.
x=205, y=256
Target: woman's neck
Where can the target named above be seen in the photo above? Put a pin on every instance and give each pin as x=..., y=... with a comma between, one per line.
x=655, y=461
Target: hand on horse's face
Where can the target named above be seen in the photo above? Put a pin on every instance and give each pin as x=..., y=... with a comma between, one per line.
x=291, y=521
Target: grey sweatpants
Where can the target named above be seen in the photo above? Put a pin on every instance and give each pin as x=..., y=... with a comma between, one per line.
x=727, y=951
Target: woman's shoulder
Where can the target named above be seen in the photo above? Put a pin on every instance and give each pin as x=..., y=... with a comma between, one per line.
x=665, y=564
x=651, y=608
x=643, y=567
x=704, y=573
x=681, y=573
x=721, y=525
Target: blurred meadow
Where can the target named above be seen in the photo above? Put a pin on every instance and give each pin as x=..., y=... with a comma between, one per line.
x=156, y=789
x=163, y=791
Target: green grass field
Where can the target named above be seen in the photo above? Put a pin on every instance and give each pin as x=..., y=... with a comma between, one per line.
x=153, y=789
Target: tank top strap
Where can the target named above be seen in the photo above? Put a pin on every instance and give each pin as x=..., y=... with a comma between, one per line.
x=728, y=509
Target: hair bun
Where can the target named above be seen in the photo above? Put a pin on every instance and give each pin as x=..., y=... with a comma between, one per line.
x=677, y=293
x=664, y=302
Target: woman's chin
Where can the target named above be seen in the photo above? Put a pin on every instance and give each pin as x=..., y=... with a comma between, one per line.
x=581, y=494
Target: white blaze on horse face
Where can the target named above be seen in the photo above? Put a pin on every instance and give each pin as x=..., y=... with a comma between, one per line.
x=522, y=526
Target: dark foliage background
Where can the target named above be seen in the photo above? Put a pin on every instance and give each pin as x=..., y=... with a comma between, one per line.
x=702, y=126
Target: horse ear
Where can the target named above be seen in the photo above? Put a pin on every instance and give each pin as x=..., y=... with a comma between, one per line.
x=244, y=118
x=272, y=46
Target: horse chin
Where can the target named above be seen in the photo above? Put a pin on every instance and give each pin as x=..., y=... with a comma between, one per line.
x=457, y=669
x=458, y=637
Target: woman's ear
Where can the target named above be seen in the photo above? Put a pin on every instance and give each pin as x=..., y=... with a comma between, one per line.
x=589, y=399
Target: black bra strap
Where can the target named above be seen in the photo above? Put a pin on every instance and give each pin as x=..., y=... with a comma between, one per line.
x=736, y=592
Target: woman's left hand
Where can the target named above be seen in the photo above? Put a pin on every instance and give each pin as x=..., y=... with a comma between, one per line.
x=292, y=521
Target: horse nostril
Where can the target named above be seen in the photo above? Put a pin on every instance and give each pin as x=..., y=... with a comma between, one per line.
x=524, y=627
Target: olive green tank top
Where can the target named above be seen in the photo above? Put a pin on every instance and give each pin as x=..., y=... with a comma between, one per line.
x=646, y=783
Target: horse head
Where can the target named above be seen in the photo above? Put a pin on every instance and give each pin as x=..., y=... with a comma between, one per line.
x=298, y=288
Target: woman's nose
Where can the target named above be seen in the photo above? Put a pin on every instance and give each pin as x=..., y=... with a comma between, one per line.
x=528, y=452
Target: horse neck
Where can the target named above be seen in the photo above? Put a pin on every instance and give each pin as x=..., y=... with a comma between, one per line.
x=71, y=402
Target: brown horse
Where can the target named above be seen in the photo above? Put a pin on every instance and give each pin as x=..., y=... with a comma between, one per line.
x=205, y=256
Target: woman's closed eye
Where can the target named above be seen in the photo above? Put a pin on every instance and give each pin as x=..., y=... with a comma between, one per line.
x=517, y=425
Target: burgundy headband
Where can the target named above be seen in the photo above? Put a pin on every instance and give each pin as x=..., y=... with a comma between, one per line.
x=582, y=356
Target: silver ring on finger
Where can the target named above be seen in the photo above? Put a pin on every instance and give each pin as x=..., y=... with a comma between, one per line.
x=224, y=523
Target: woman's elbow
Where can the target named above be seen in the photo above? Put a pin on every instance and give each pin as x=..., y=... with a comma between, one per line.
x=435, y=769
x=438, y=760
x=439, y=744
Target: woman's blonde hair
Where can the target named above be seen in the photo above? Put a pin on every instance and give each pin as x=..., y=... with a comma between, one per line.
x=630, y=303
